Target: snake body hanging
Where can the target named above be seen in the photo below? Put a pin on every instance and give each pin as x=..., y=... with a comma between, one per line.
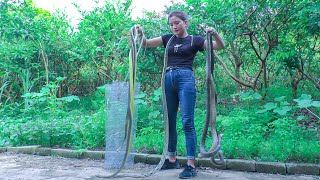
x=211, y=107
x=130, y=110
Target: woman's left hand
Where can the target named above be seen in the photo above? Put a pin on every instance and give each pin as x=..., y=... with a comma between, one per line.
x=211, y=30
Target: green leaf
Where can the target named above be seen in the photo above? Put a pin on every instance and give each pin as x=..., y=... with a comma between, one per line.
x=304, y=103
x=245, y=95
x=45, y=90
x=261, y=111
x=287, y=108
x=270, y=106
x=256, y=96
x=284, y=103
x=303, y=97
x=153, y=114
x=301, y=118
x=101, y=89
x=60, y=79
x=280, y=99
x=27, y=95
x=157, y=94
x=143, y=102
x=306, y=96
x=315, y=103
x=2, y=73
x=70, y=98
x=282, y=110
x=141, y=95
x=42, y=99
x=156, y=98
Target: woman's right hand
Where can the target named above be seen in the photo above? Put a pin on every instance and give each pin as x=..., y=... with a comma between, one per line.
x=139, y=28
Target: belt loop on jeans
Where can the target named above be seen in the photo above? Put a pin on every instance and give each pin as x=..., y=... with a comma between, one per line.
x=170, y=68
x=177, y=67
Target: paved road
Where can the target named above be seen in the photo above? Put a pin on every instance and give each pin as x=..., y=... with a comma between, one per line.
x=31, y=167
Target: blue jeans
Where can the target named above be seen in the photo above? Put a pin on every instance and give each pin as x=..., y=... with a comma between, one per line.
x=180, y=87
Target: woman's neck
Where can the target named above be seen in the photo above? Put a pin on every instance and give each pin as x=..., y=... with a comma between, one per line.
x=185, y=34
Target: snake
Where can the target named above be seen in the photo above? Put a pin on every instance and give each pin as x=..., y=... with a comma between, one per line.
x=211, y=109
x=133, y=54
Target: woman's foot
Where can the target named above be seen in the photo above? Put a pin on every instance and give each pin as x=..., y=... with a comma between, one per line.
x=171, y=165
x=188, y=172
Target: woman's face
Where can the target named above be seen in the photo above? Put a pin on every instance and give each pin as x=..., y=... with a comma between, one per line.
x=178, y=26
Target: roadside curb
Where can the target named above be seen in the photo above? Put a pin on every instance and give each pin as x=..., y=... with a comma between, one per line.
x=231, y=164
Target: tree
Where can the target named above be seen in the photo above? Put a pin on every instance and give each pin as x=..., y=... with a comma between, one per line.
x=252, y=30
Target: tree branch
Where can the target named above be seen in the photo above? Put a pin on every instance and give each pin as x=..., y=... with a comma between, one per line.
x=229, y=73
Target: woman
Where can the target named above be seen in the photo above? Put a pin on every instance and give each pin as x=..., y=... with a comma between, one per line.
x=180, y=84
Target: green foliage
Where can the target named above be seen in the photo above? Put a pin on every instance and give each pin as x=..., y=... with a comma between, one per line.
x=150, y=113
x=71, y=130
x=47, y=100
x=306, y=101
x=150, y=145
x=282, y=107
x=241, y=136
x=288, y=142
x=278, y=140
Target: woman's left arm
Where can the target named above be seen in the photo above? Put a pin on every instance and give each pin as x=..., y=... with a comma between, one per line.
x=218, y=43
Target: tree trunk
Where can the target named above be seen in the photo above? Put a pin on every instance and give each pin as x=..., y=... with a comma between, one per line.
x=237, y=66
x=265, y=78
x=294, y=85
x=238, y=86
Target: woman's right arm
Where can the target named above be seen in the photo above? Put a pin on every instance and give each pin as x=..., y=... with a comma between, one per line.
x=154, y=42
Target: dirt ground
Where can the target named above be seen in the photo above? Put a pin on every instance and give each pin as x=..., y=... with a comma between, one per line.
x=25, y=167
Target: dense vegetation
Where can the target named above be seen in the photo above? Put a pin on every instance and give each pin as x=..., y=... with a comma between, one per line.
x=267, y=77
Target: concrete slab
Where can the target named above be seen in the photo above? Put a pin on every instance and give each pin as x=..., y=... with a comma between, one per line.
x=302, y=168
x=29, y=167
x=271, y=167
